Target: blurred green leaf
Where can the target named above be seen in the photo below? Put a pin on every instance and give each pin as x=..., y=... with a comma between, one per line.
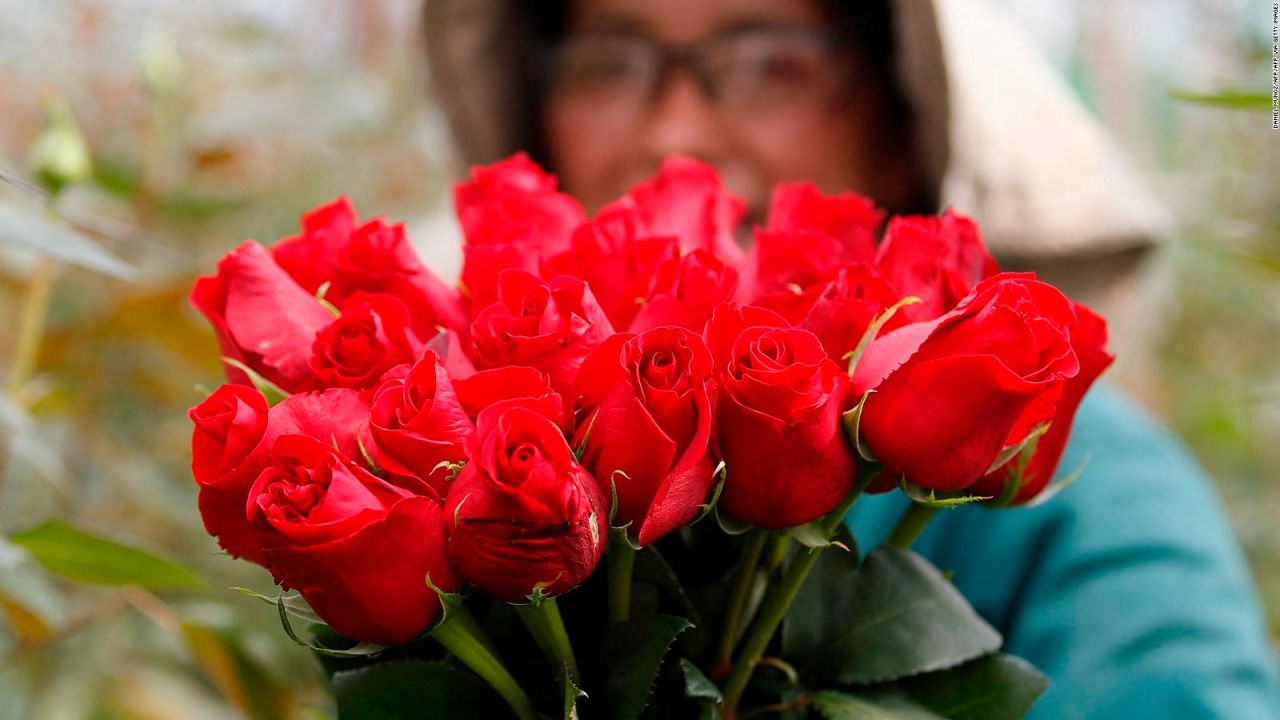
x=87, y=558
x=240, y=678
x=627, y=660
x=31, y=231
x=1226, y=99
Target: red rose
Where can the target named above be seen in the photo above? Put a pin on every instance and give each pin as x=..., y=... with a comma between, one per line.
x=686, y=200
x=307, y=256
x=515, y=193
x=374, y=258
x=647, y=436
x=850, y=220
x=262, y=317
x=684, y=292
x=416, y=423
x=618, y=265
x=511, y=382
x=511, y=216
x=233, y=435
x=839, y=312
x=1089, y=340
x=809, y=237
x=547, y=326
x=358, y=549
x=522, y=514
x=228, y=425
x=370, y=337
x=778, y=419
x=936, y=259
x=949, y=393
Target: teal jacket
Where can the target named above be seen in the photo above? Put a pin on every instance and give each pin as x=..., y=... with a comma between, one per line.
x=1128, y=588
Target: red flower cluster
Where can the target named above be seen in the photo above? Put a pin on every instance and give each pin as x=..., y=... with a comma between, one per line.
x=484, y=435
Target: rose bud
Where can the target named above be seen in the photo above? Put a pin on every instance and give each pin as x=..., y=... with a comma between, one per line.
x=371, y=336
x=233, y=435
x=334, y=253
x=808, y=238
x=511, y=216
x=1089, y=340
x=547, y=326
x=687, y=200
x=523, y=516
x=618, y=265
x=646, y=439
x=358, y=549
x=936, y=259
x=262, y=317
x=949, y=393
x=229, y=424
x=684, y=292
x=416, y=426
x=778, y=419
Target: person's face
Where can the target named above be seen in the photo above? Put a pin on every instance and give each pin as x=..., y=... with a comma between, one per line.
x=762, y=89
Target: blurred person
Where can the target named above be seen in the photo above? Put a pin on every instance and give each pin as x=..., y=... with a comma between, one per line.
x=1128, y=588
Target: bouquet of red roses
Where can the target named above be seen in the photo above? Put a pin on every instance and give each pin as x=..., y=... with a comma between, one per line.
x=606, y=475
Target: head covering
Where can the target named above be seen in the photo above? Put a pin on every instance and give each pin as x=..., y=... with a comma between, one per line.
x=999, y=135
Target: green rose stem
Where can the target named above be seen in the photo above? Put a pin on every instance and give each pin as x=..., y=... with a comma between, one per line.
x=622, y=562
x=779, y=599
x=461, y=635
x=778, y=553
x=542, y=617
x=911, y=524
x=742, y=583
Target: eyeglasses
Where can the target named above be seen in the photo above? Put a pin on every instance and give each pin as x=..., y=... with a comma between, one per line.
x=755, y=69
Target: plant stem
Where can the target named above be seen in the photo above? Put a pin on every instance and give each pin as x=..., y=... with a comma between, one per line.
x=547, y=627
x=622, y=561
x=779, y=599
x=35, y=308
x=910, y=525
x=742, y=583
x=778, y=553
x=458, y=634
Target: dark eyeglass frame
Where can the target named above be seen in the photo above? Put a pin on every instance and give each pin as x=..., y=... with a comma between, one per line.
x=693, y=57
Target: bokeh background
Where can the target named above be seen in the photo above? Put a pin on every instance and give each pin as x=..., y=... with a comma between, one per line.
x=208, y=123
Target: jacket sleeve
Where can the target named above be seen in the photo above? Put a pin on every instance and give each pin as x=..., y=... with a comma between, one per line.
x=1127, y=589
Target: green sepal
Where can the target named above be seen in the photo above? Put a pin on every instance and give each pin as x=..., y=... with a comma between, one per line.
x=294, y=605
x=933, y=499
x=359, y=650
x=852, y=419
x=873, y=329
x=320, y=293
x=272, y=392
x=1059, y=484
x=730, y=525
x=718, y=475
x=1011, y=451
x=453, y=467
x=810, y=535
